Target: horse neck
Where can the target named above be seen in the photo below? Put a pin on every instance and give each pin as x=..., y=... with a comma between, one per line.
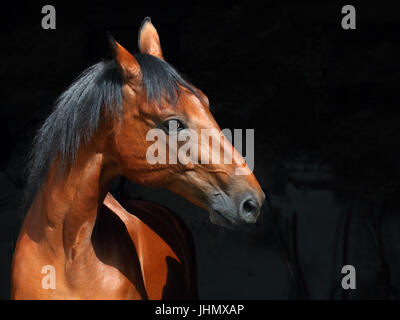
x=68, y=203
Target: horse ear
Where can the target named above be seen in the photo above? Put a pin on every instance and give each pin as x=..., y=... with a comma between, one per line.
x=126, y=62
x=149, y=42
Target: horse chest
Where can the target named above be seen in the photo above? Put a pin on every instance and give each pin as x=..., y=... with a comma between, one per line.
x=44, y=276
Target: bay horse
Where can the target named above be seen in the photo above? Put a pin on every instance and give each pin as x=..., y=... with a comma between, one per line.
x=100, y=248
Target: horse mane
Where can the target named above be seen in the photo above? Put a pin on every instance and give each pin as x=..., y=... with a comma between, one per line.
x=78, y=109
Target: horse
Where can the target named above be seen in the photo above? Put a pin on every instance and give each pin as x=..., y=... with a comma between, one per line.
x=76, y=240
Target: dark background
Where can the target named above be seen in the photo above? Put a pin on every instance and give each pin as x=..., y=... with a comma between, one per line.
x=324, y=105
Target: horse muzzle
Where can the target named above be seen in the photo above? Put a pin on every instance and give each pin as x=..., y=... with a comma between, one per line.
x=231, y=212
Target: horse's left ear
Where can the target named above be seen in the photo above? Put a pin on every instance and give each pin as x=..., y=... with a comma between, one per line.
x=149, y=42
x=127, y=64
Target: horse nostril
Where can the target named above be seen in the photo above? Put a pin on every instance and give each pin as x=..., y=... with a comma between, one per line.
x=250, y=206
x=249, y=210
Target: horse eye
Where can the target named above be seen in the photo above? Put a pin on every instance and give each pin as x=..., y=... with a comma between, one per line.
x=173, y=126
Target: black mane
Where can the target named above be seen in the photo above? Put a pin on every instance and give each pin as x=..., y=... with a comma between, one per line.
x=77, y=112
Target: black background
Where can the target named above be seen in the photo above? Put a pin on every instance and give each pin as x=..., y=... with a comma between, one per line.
x=324, y=105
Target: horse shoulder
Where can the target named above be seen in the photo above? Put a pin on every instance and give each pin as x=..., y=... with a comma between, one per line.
x=164, y=246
